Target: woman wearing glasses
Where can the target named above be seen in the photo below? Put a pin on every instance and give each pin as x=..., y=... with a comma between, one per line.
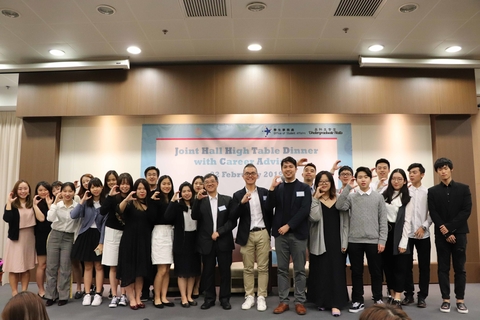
x=328, y=241
x=396, y=254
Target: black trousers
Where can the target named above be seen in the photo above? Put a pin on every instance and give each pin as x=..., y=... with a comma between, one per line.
x=457, y=251
x=356, y=252
x=224, y=259
x=394, y=265
x=423, y=247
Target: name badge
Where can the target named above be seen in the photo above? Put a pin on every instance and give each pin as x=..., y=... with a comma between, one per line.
x=300, y=193
x=222, y=208
x=264, y=198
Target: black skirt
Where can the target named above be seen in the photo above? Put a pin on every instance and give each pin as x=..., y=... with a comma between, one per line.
x=84, y=246
x=187, y=261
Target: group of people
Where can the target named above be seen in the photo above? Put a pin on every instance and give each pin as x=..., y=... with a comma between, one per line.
x=140, y=228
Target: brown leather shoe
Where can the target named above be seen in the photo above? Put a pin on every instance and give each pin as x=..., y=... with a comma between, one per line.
x=282, y=307
x=300, y=309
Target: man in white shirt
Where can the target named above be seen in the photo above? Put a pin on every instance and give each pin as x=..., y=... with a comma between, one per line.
x=308, y=174
x=253, y=235
x=419, y=236
x=382, y=168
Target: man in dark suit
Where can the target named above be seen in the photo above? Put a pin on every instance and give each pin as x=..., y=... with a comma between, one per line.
x=450, y=205
x=215, y=240
x=253, y=236
x=292, y=200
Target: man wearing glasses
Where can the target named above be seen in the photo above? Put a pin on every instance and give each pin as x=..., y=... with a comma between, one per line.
x=253, y=235
x=214, y=214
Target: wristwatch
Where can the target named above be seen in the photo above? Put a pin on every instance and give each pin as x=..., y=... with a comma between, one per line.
x=424, y=228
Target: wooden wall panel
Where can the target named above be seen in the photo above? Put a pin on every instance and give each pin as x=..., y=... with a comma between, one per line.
x=40, y=149
x=452, y=138
x=247, y=89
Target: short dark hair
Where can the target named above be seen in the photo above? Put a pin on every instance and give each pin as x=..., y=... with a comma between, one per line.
x=345, y=168
x=383, y=160
x=441, y=162
x=250, y=165
x=56, y=184
x=310, y=165
x=151, y=168
x=209, y=175
x=416, y=165
x=289, y=159
x=363, y=169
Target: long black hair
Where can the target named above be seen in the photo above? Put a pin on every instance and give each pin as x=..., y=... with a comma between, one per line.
x=42, y=205
x=332, y=192
x=95, y=182
x=388, y=193
x=163, y=196
x=182, y=201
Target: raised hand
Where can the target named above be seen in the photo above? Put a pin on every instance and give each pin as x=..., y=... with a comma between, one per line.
x=58, y=198
x=353, y=183
x=176, y=196
x=130, y=196
x=155, y=195
x=114, y=191
x=246, y=198
x=85, y=197
x=36, y=200
x=335, y=166
x=10, y=197
x=302, y=162
x=276, y=181
x=318, y=193
x=202, y=194
x=374, y=175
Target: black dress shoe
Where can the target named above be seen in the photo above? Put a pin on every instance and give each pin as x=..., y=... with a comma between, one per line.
x=79, y=294
x=50, y=302
x=207, y=305
x=195, y=296
x=62, y=302
x=192, y=303
x=185, y=305
x=226, y=305
x=168, y=304
x=159, y=306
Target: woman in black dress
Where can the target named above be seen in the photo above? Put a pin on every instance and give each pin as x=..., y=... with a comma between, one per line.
x=43, y=191
x=328, y=241
x=185, y=257
x=134, y=262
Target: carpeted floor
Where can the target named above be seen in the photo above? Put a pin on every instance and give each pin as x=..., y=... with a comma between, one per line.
x=75, y=311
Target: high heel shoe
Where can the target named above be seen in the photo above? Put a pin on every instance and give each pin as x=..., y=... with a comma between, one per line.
x=135, y=307
x=141, y=305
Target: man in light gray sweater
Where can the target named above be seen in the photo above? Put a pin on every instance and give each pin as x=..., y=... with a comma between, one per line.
x=368, y=234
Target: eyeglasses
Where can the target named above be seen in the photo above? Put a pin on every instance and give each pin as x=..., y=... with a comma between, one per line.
x=346, y=174
x=323, y=182
x=397, y=179
x=250, y=174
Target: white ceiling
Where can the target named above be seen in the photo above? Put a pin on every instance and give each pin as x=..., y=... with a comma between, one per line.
x=288, y=30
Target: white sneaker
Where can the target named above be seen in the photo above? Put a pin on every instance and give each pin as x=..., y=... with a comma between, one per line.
x=249, y=302
x=380, y=301
x=123, y=301
x=261, y=304
x=114, y=302
x=87, y=300
x=97, y=300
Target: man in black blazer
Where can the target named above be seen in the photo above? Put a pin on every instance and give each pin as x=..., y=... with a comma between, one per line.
x=450, y=205
x=253, y=235
x=292, y=200
x=214, y=214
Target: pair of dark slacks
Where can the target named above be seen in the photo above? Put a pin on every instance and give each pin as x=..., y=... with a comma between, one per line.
x=224, y=259
x=423, y=247
x=356, y=252
x=457, y=252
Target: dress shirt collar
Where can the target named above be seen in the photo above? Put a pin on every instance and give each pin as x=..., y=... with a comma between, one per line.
x=369, y=192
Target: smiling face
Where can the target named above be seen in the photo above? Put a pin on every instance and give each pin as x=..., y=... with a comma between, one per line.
x=186, y=193
x=96, y=191
x=42, y=192
x=198, y=185
x=152, y=178
x=382, y=170
x=211, y=185
x=345, y=177
x=111, y=181
x=141, y=191
x=308, y=174
x=23, y=191
x=289, y=171
x=85, y=181
x=67, y=194
x=250, y=176
x=166, y=186
x=324, y=184
x=397, y=181
x=124, y=187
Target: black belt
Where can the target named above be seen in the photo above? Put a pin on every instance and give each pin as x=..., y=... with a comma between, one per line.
x=257, y=229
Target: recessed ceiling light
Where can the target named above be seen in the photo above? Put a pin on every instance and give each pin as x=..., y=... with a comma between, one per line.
x=254, y=47
x=106, y=9
x=134, y=50
x=256, y=6
x=453, y=49
x=408, y=8
x=56, y=52
x=9, y=13
x=376, y=47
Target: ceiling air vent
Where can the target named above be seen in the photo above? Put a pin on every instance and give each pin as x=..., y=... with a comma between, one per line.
x=357, y=8
x=205, y=8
